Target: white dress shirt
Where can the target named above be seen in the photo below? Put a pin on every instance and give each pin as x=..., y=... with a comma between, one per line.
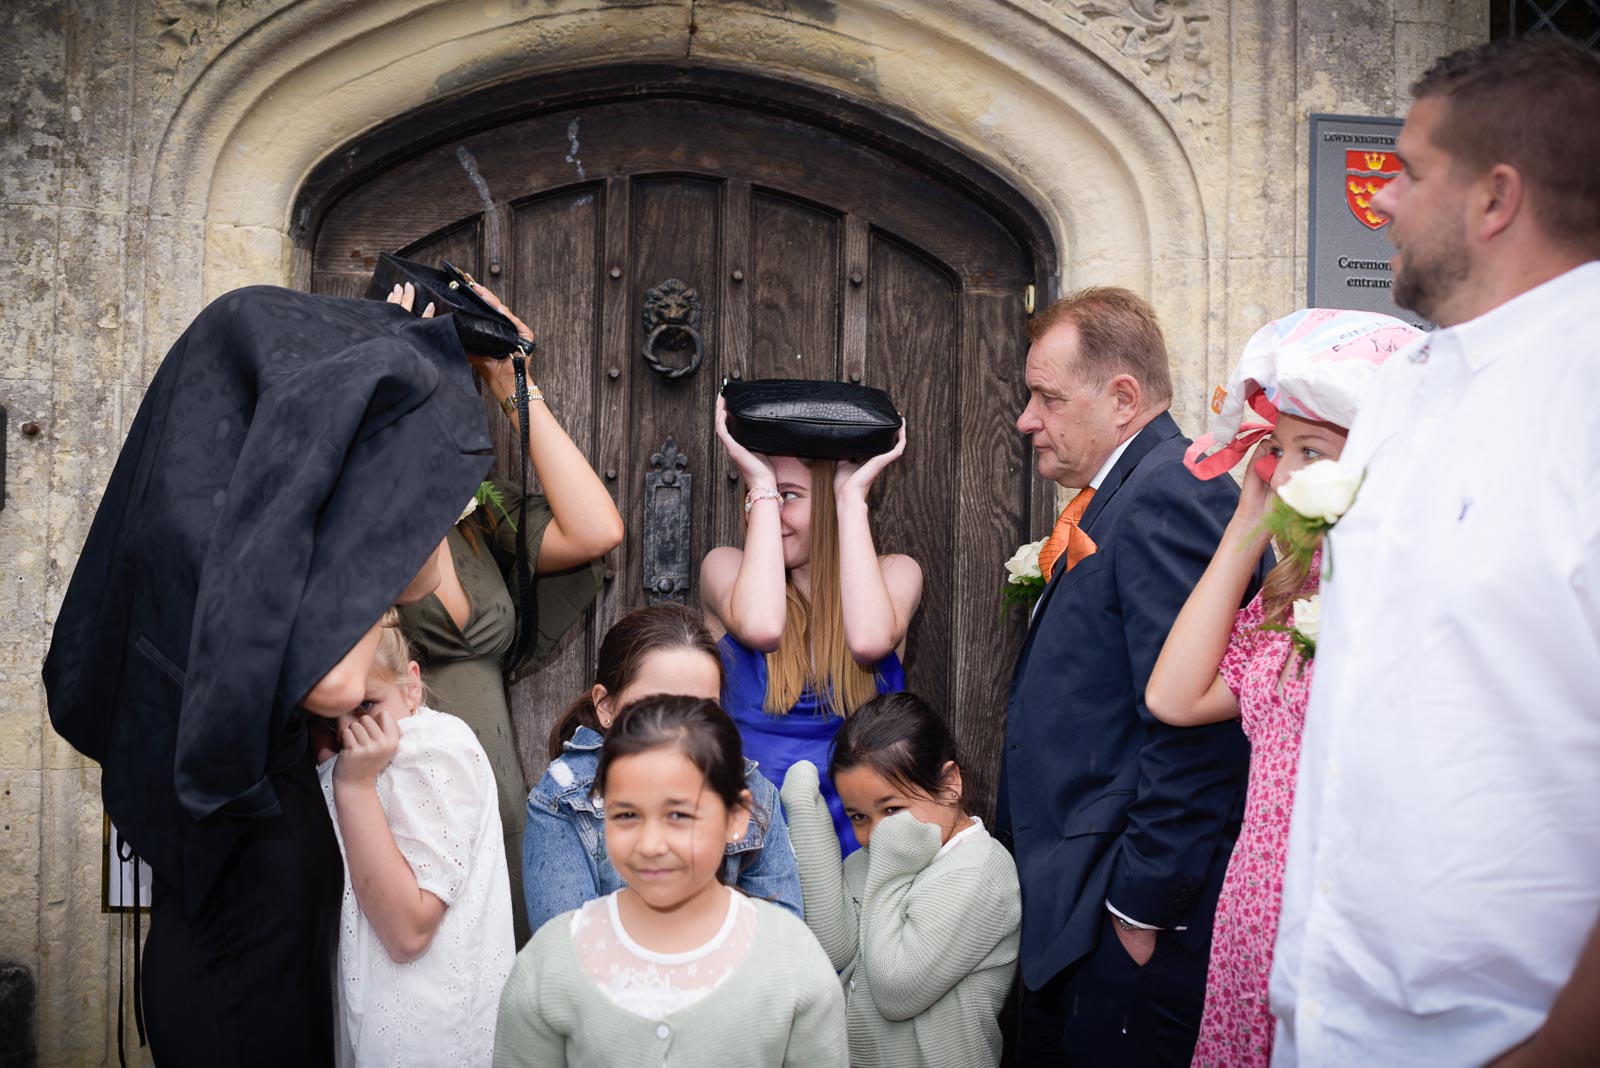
x=1444, y=853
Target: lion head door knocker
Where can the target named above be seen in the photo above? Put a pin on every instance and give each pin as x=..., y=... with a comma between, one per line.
x=671, y=322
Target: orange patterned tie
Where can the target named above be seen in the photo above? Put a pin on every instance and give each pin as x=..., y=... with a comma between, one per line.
x=1067, y=539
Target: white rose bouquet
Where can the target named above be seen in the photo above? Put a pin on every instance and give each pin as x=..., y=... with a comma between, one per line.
x=1309, y=504
x=1024, y=580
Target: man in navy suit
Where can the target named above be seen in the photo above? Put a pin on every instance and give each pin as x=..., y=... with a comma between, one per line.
x=1121, y=825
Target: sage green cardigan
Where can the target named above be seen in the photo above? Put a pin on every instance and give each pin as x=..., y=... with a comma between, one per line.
x=926, y=948
x=781, y=1007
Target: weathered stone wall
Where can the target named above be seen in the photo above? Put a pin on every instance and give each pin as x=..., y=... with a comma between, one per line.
x=152, y=149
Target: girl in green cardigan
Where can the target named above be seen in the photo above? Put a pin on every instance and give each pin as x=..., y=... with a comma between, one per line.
x=923, y=922
x=675, y=968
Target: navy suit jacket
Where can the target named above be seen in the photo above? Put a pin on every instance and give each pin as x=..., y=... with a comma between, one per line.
x=1101, y=800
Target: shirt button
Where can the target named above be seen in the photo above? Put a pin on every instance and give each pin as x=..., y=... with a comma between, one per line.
x=852, y=986
x=663, y=1031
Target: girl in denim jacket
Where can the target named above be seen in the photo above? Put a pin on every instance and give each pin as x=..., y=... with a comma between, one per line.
x=661, y=649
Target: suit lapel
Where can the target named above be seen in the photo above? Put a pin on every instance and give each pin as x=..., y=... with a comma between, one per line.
x=1154, y=433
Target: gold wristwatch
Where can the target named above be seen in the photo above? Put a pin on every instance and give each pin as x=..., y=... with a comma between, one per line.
x=508, y=404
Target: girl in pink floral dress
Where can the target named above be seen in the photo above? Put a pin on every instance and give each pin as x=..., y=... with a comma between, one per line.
x=1304, y=374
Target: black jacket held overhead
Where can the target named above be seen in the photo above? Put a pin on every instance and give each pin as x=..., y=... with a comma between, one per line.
x=293, y=463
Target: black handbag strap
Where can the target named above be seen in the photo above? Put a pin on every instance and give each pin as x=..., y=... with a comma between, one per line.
x=527, y=621
x=126, y=855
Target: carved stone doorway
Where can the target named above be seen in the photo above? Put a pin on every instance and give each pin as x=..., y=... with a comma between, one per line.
x=805, y=238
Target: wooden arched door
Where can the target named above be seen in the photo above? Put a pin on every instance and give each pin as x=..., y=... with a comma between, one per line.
x=814, y=253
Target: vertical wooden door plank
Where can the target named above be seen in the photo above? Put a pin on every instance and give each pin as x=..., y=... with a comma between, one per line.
x=675, y=228
x=722, y=492
x=993, y=466
x=854, y=265
x=911, y=336
x=794, y=300
x=555, y=288
x=614, y=379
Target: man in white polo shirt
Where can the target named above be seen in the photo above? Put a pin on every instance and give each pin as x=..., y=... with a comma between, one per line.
x=1443, y=886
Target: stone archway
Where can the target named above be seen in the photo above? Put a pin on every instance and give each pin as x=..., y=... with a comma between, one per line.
x=1045, y=95
x=1072, y=108
x=821, y=240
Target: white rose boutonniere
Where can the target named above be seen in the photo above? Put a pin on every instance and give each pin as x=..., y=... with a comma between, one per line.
x=1302, y=627
x=1024, y=580
x=1305, y=613
x=1308, y=505
x=1024, y=564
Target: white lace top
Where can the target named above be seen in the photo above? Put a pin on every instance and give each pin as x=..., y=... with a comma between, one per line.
x=655, y=985
x=439, y=796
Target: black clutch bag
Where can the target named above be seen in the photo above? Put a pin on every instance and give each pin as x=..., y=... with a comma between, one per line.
x=483, y=331
x=817, y=420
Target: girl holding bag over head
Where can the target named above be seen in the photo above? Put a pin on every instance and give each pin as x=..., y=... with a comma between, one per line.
x=1305, y=373
x=810, y=619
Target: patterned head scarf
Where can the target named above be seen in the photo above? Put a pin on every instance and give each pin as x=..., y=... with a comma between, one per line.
x=1314, y=364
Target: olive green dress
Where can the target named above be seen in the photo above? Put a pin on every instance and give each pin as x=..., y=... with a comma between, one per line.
x=464, y=667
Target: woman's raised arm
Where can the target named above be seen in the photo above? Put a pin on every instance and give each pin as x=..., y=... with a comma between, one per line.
x=743, y=591
x=1185, y=689
x=878, y=596
x=586, y=524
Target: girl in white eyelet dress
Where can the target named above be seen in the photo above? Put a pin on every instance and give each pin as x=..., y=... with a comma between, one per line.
x=675, y=968
x=425, y=935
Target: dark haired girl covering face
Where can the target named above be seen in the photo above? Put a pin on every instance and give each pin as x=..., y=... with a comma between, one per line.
x=924, y=922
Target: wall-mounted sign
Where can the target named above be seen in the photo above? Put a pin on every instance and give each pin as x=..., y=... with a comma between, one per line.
x=1348, y=255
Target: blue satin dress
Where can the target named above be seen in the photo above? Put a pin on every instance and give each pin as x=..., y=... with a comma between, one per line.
x=805, y=733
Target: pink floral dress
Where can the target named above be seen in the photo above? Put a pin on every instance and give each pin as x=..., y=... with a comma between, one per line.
x=1236, y=1026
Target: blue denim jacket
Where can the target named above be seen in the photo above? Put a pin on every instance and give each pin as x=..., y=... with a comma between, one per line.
x=564, y=861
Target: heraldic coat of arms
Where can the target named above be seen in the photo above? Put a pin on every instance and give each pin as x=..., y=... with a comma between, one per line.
x=1366, y=172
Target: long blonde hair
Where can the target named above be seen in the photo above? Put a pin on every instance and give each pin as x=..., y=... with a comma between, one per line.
x=814, y=634
x=1288, y=581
